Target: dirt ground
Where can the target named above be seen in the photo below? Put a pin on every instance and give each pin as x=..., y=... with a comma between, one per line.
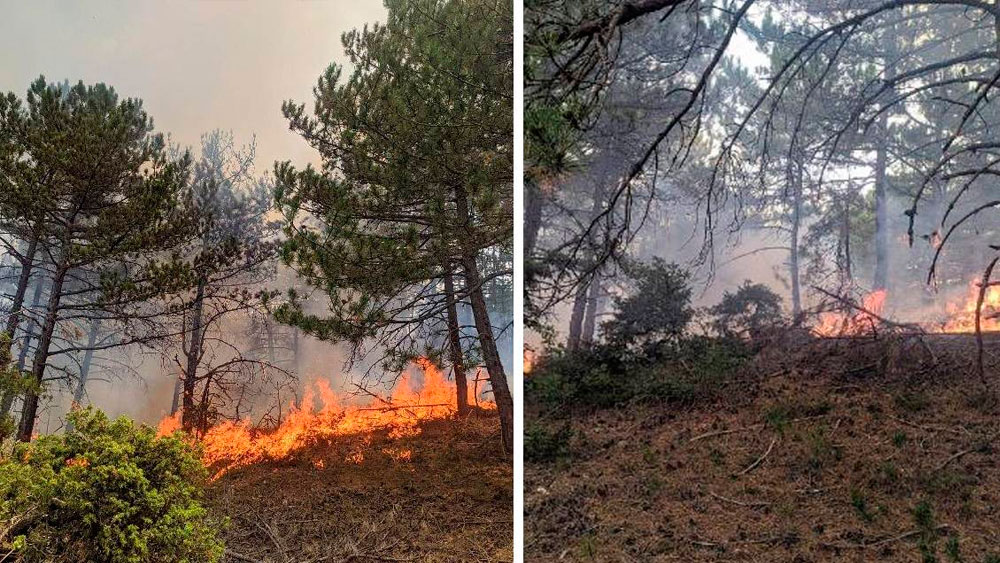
x=851, y=450
x=452, y=501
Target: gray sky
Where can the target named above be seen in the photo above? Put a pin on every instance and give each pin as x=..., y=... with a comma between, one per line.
x=197, y=65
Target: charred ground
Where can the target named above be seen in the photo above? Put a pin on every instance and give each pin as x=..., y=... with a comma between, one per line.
x=874, y=448
x=450, y=501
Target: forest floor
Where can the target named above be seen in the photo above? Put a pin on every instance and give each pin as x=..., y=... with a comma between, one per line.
x=821, y=450
x=451, y=501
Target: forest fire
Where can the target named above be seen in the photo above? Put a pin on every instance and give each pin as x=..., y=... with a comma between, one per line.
x=324, y=416
x=832, y=323
x=962, y=314
x=959, y=318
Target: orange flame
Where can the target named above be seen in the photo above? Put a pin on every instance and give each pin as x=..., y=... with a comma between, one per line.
x=834, y=323
x=529, y=360
x=962, y=313
x=169, y=425
x=236, y=444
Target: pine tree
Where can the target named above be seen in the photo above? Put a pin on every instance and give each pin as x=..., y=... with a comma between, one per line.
x=107, y=208
x=417, y=176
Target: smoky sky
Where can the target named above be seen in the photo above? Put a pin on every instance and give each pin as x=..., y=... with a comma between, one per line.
x=196, y=65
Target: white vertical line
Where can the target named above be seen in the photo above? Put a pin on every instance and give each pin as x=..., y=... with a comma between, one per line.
x=517, y=384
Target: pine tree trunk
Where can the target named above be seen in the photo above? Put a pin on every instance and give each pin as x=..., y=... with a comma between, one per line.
x=793, y=257
x=27, y=265
x=188, y=415
x=532, y=215
x=88, y=357
x=295, y=349
x=30, y=407
x=847, y=267
x=881, y=215
x=881, y=278
x=576, y=318
x=455, y=343
x=484, y=328
x=22, y=356
x=175, y=404
x=36, y=300
x=590, y=318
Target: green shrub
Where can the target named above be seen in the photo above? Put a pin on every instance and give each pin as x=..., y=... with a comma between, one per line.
x=657, y=309
x=610, y=375
x=12, y=384
x=747, y=313
x=542, y=444
x=105, y=491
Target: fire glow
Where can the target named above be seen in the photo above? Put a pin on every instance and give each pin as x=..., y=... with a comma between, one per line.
x=960, y=315
x=324, y=417
x=843, y=324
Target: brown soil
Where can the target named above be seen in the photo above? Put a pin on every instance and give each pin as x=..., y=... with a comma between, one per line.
x=840, y=450
x=450, y=502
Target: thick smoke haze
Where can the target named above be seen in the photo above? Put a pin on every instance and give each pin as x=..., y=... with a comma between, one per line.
x=196, y=65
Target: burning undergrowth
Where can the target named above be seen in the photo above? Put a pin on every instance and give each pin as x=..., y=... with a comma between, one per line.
x=956, y=314
x=395, y=478
x=325, y=428
x=449, y=501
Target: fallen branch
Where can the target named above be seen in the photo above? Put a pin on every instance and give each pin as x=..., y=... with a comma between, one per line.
x=379, y=398
x=850, y=303
x=724, y=432
x=760, y=460
x=706, y=543
x=885, y=541
x=739, y=502
x=745, y=428
x=404, y=407
x=926, y=428
x=953, y=457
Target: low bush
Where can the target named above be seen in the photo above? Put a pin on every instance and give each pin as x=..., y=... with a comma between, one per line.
x=611, y=375
x=657, y=309
x=107, y=490
x=542, y=444
x=748, y=312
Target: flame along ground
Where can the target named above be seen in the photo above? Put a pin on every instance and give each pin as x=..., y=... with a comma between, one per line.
x=960, y=315
x=236, y=444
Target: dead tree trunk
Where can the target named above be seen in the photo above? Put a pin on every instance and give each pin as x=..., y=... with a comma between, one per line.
x=189, y=416
x=175, y=404
x=455, y=343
